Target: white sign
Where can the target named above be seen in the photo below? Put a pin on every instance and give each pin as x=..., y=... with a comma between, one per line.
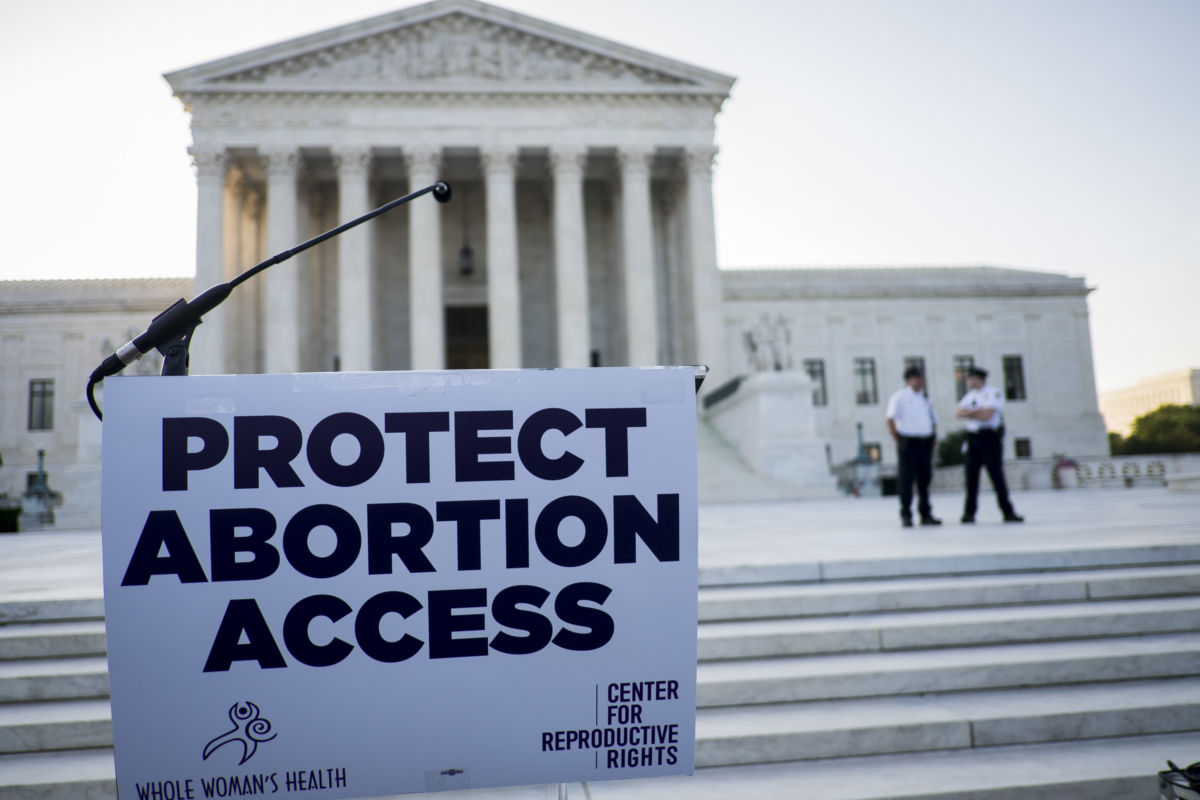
x=344, y=585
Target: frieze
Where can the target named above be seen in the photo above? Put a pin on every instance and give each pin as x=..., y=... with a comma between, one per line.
x=452, y=48
x=321, y=111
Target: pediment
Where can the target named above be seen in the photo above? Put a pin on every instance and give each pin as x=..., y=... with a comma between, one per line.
x=448, y=46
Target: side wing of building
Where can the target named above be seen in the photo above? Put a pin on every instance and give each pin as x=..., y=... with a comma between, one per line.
x=53, y=333
x=855, y=330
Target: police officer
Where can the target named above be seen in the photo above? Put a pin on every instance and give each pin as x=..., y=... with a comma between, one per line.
x=913, y=424
x=983, y=409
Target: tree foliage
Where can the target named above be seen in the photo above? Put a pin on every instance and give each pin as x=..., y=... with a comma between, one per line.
x=949, y=449
x=1166, y=429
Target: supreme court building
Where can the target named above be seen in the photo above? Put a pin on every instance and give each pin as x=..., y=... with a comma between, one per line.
x=581, y=228
x=580, y=234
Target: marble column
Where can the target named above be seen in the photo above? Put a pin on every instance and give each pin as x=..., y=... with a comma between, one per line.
x=245, y=353
x=356, y=290
x=637, y=250
x=282, y=305
x=208, y=349
x=427, y=316
x=503, y=288
x=570, y=258
x=707, y=318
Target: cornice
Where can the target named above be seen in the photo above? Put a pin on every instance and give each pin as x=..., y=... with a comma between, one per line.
x=74, y=296
x=381, y=94
x=907, y=283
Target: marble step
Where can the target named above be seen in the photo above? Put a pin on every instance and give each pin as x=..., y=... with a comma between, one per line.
x=838, y=729
x=75, y=608
x=53, y=679
x=52, y=639
x=947, y=628
x=1122, y=768
x=906, y=672
x=978, y=561
x=65, y=775
x=767, y=601
x=62, y=725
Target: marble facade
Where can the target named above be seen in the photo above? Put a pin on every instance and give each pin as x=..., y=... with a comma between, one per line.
x=883, y=318
x=582, y=173
x=582, y=176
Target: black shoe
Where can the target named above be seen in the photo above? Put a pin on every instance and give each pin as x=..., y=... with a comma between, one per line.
x=968, y=519
x=1013, y=518
x=906, y=522
x=930, y=520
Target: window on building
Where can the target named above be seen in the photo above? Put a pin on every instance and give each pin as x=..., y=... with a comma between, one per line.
x=962, y=365
x=1024, y=448
x=1014, y=378
x=41, y=404
x=865, y=391
x=919, y=363
x=915, y=361
x=815, y=367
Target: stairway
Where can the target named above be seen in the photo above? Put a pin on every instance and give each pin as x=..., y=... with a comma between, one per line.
x=1071, y=674
x=1052, y=674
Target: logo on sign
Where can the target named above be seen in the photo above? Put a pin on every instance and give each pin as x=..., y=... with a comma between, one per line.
x=249, y=729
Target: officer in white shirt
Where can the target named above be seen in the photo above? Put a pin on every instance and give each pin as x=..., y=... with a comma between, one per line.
x=913, y=424
x=983, y=409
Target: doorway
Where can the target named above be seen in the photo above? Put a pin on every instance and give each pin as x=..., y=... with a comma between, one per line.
x=467, y=337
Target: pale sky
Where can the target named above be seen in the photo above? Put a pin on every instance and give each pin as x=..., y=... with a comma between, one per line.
x=1051, y=135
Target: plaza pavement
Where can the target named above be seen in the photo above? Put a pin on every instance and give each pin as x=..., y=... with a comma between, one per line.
x=787, y=538
x=770, y=540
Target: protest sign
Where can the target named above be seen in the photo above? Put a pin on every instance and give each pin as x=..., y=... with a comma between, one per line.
x=345, y=585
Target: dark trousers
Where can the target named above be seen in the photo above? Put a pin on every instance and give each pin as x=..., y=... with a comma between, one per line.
x=986, y=449
x=915, y=458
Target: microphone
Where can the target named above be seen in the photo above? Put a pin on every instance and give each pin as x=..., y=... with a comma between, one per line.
x=171, y=331
x=180, y=318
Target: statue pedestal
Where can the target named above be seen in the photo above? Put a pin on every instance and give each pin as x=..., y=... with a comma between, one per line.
x=769, y=421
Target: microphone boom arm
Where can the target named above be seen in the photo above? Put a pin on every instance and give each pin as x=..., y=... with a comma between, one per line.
x=171, y=331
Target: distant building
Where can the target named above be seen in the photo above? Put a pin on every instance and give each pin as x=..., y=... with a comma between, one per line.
x=1122, y=406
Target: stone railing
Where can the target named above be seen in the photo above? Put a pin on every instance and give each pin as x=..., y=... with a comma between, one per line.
x=1089, y=472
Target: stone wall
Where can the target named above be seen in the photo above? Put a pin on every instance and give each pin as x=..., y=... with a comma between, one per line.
x=889, y=316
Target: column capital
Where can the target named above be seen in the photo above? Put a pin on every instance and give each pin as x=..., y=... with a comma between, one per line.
x=209, y=161
x=352, y=160
x=423, y=159
x=282, y=162
x=568, y=159
x=700, y=158
x=501, y=159
x=635, y=158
